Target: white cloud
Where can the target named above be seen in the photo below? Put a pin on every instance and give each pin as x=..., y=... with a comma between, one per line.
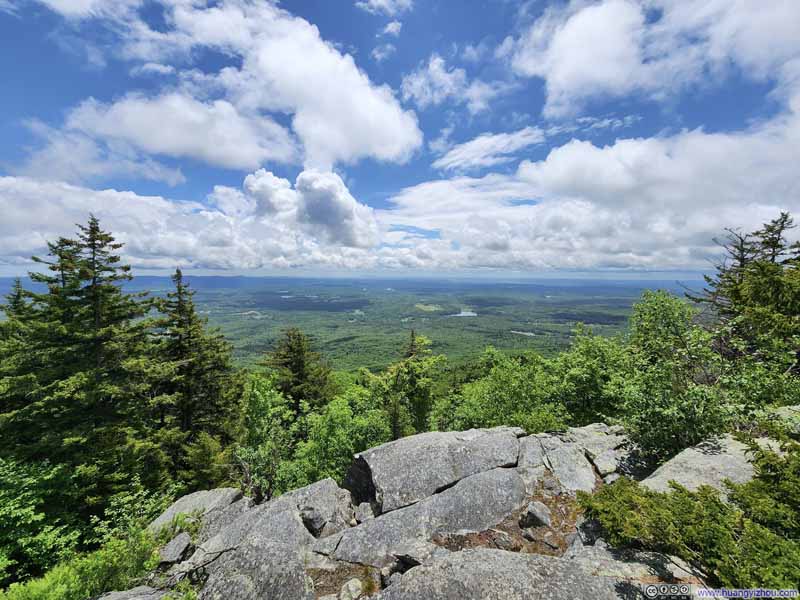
x=75, y=157
x=82, y=9
x=433, y=82
x=152, y=68
x=316, y=223
x=281, y=64
x=642, y=203
x=488, y=149
x=611, y=48
x=392, y=28
x=382, y=52
x=387, y=7
x=177, y=125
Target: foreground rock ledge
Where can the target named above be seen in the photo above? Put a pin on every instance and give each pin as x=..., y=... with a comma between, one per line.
x=435, y=516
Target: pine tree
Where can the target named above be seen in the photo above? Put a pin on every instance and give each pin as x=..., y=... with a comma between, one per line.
x=84, y=370
x=200, y=397
x=302, y=374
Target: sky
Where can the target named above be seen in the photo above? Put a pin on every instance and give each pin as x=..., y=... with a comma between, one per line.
x=609, y=137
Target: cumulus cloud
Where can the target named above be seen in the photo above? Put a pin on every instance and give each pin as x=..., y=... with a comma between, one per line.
x=280, y=64
x=433, y=82
x=214, y=132
x=488, y=149
x=612, y=48
x=268, y=223
x=642, y=203
x=387, y=7
x=152, y=68
x=75, y=157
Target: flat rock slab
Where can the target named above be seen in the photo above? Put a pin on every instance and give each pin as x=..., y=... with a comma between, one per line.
x=139, y=593
x=410, y=469
x=473, y=504
x=566, y=460
x=175, y=550
x=216, y=520
x=201, y=503
x=484, y=574
x=708, y=463
x=259, y=569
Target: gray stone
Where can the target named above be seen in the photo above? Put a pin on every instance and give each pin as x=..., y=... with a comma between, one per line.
x=536, y=515
x=327, y=544
x=139, y=593
x=595, y=439
x=278, y=522
x=325, y=507
x=176, y=549
x=215, y=520
x=200, y=503
x=364, y=512
x=259, y=568
x=608, y=461
x=351, y=589
x=602, y=560
x=611, y=477
x=566, y=460
x=410, y=469
x=708, y=463
x=531, y=452
x=483, y=574
x=473, y=504
x=532, y=477
x=416, y=552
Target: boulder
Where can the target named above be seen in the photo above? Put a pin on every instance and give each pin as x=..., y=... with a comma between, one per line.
x=566, y=460
x=139, y=593
x=216, y=520
x=259, y=568
x=484, y=574
x=351, y=589
x=176, y=549
x=364, y=512
x=596, y=439
x=410, y=469
x=201, y=503
x=536, y=514
x=475, y=503
x=708, y=463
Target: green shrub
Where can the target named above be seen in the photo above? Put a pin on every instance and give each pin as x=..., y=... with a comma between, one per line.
x=750, y=542
x=118, y=565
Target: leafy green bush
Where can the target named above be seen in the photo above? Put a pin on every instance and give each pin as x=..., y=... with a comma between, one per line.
x=33, y=536
x=671, y=395
x=750, y=542
x=118, y=565
x=517, y=392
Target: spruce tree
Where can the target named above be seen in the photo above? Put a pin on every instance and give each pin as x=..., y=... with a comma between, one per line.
x=301, y=373
x=85, y=372
x=200, y=397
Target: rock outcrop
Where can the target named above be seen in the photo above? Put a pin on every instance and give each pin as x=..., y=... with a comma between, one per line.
x=487, y=513
x=709, y=463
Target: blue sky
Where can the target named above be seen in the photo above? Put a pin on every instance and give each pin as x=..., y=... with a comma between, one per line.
x=399, y=136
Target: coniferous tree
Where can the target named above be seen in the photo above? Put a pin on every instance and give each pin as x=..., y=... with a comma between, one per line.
x=83, y=370
x=199, y=403
x=302, y=374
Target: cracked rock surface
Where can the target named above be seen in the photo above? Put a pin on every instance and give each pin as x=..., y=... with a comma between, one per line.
x=485, y=513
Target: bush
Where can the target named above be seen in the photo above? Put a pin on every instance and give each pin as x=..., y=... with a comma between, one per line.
x=750, y=542
x=517, y=391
